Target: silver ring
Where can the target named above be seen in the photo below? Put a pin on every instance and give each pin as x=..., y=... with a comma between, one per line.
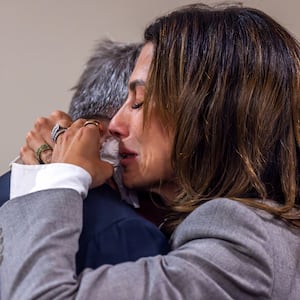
x=56, y=131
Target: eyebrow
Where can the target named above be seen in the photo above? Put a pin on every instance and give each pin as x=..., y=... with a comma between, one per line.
x=133, y=84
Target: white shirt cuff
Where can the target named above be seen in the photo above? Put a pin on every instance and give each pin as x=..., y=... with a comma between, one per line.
x=26, y=179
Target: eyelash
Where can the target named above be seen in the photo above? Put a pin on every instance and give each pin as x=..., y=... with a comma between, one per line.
x=137, y=105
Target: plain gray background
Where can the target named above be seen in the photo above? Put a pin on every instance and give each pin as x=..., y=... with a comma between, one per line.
x=45, y=43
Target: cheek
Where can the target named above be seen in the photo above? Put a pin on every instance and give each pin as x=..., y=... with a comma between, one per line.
x=156, y=147
x=157, y=159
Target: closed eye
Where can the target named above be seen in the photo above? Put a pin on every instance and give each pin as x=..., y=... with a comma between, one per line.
x=137, y=105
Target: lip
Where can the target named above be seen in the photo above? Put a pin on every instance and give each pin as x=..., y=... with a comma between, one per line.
x=127, y=156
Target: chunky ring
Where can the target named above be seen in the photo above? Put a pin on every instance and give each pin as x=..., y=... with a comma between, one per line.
x=40, y=149
x=93, y=122
x=56, y=131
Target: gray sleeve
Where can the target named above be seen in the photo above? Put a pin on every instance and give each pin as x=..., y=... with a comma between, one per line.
x=41, y=234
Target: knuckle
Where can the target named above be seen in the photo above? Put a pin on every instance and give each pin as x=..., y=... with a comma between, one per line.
x=23, y=151
x=59, y=115
x=29, y=136
x=41, y=122
x=56, y=114
x=79, y=122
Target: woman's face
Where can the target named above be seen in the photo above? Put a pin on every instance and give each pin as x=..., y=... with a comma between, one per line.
x=145, y=151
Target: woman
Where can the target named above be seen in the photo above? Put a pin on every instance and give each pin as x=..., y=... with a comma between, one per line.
x=211, y=123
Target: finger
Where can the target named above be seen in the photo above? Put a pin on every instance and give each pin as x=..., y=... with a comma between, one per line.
x=42, y=129
x=28, y=156
x=34, y=140
x=59, y=122
x=57, y=133
x=82, y=135
x=88, y=142
x=60, y=117
x=79, y=145
x=102, y=172
x=46, y=156
x=71, y=131
x=102, y=126
x=64, y=143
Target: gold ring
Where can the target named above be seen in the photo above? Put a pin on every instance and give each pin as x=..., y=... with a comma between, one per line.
x=93, y=122
x=40, y=149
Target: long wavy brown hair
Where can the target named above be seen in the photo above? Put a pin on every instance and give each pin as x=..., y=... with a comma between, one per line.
x=226, y=79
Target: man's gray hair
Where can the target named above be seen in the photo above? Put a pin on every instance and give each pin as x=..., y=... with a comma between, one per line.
x=103, y=86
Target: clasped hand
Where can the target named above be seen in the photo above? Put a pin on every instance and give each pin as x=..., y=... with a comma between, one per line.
x=78, y=145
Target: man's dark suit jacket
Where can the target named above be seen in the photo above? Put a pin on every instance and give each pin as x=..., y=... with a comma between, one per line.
x=112, y=230
x=4, y=187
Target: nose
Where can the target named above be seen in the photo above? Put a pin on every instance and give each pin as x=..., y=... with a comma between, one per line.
x=118, y=126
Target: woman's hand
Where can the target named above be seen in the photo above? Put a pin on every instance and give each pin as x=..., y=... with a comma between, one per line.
x=35, y=150
x=80, y=145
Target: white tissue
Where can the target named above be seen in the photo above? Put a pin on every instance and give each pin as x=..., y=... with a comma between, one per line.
x=110, y=153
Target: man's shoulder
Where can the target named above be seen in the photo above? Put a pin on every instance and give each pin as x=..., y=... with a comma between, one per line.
x=4, y=187
x=104, y=211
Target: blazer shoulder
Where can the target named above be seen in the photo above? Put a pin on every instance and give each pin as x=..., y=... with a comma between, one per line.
x=225, y=219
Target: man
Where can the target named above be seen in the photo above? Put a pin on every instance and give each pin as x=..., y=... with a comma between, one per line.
x=113, y=231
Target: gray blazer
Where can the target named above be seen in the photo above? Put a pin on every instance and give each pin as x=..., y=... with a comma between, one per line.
x=223, y=250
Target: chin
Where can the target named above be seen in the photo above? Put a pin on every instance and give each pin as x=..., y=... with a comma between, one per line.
x=128, y=182
x=133, y=183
